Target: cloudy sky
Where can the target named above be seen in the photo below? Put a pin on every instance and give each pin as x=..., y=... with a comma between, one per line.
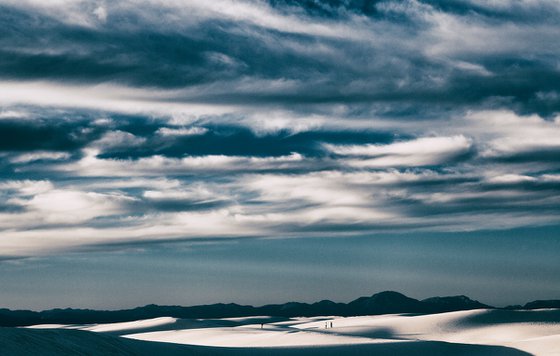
x=194, y=151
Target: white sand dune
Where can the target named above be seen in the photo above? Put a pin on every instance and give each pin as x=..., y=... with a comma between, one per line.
x=132, y=325
x=476, y=332
x=60, y=342
x=536, y=331
x=253, y=337
x=51, y=326
x=112, y=327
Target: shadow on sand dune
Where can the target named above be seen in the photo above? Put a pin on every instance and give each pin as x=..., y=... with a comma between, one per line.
x=496, y=316
x=184, y=324
x=180, y=324
x=46, y=342
x=417, y=348
x=369, y=332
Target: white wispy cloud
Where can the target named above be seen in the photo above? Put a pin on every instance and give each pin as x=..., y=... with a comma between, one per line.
x=506, y=133
x=27, y=187
x=117, y=139
x=419, y=152
x=65, y=206
x=183, y=131
x=36, y=156
x=108, y=97
x=91, y=165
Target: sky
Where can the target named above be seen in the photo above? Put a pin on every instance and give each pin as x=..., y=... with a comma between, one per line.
x=188, y=152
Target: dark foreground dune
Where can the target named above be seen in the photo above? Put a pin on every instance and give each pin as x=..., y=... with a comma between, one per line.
x=16, y=341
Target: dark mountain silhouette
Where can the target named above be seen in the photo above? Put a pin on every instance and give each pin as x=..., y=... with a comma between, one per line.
x=381, y=303
x=386, y=303
x=542, y=304
x=459, y=302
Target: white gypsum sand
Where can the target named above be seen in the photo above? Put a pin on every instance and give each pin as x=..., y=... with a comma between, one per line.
x=535, y=331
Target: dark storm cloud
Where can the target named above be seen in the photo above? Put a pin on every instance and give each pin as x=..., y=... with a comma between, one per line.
x=463, y=196
x=480, y=206
x=212, y=51
x=329, y=8
x=27, y=135
x=549, y=155
x=537, y=12
x=241, y=141
x=545, y=11
x=178, y=205
x=9, y=208
x=387, y=60
x=72, y=131
x=82, y=55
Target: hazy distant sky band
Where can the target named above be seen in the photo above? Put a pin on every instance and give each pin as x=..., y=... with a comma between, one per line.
x=153, y=121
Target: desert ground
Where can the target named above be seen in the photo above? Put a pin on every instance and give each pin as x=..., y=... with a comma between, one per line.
x=473, y=332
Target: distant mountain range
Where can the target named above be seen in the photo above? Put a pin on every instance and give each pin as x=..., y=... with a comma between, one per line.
x=381, y=303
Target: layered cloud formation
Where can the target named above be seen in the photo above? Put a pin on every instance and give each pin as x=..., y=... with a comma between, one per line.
x=154, y=121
